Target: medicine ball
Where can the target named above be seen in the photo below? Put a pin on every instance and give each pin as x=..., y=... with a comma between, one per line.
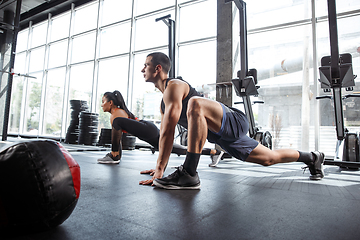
x=39, y=185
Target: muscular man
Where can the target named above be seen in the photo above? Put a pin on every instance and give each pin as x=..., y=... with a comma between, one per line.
x=207, y=119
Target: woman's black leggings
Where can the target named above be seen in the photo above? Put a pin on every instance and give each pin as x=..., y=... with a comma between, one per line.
x=144, y=130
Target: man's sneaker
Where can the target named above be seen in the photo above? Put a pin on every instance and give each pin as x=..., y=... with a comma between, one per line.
x=316, y=168
x=109, y=159
x=179, y=179
x=215, y=159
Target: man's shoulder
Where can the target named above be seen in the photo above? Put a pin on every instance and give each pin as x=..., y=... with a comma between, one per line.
x=176, y=85
x=177, y=81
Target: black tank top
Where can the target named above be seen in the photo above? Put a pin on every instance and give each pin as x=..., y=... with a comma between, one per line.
x=183, y=117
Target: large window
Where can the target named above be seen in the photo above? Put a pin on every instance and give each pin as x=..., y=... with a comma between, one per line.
x=101, y=46
x=115, y=11
x=146, y=30
x=83, y=48
x=118, y=37
x=112, y=75
x=60, y=27
x=32, y=104
x=53, y=104
x=58, y=54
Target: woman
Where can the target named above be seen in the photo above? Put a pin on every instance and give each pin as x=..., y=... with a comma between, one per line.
x=122, y=119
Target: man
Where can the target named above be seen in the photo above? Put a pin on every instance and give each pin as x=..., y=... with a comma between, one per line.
x=207, y=119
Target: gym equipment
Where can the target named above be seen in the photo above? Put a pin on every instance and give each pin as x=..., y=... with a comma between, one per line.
x=105, y=137
x=83, y=128
x=171, y=28
x=39, y=186
x=17, y=74
x=245, y=85
x=336, y=73
x=72, y=133
x=88, y=128
x=127, y=140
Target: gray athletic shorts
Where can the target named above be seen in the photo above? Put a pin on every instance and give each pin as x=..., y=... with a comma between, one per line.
x=232, y=135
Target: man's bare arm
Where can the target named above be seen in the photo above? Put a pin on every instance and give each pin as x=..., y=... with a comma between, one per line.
x=173, y=97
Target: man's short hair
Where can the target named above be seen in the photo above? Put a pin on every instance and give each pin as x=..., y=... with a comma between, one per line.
x=159, y=58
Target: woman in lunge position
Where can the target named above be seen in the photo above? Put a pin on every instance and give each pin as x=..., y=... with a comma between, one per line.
x=122, y=119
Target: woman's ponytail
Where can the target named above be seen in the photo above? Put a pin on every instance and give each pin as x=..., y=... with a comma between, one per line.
x=119, y=101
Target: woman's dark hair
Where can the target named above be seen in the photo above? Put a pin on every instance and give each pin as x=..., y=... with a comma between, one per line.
x=118, y=100
x=159, y=58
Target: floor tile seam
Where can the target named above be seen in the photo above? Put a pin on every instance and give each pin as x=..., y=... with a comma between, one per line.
x=313, y=183
x=136, y=223
x=257, y=169
x=320, y=193
x=272, y=174
x=346, y=193
x=270, y=187
x=341, y=179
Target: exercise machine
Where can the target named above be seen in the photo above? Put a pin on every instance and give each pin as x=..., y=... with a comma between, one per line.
x=171, y=28
x=246, y=83
x=336, y=72
x=182, y=132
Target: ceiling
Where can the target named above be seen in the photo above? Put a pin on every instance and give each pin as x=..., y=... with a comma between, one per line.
x=36, y=10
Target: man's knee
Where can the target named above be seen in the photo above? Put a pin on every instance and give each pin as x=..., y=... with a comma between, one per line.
x=263, y=156
x=264, y=161
x=194, y=107
x=268, y=162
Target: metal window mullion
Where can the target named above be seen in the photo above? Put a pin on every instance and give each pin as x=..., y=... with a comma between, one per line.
x=84, y=33
x=191, y=2
x=149, y=14
x=80, y=63
x=341, y=15
x=24, y=93
x=280, y=26
x=115, y=23
x=150, y=49
x=23, y=121
x=44, y=81
x=96, y=63
x=130, y=82
x=177, y=33
x=67, y=76
x=195, y=41
x=315, y=75
x=113, y=56
x=302, y=22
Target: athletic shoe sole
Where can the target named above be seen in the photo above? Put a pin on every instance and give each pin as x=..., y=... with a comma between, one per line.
x=315, y=177
x=174, y=187
x=109, y=162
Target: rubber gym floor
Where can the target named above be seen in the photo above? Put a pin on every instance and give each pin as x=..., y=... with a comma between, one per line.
x=237, y=200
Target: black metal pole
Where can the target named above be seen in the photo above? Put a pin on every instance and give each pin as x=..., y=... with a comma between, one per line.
x=339, y=115
x=11, y=66
x=249, y=115
x=171, y=26
x=172, y=47
x=241, y=5
x=335, y=70
x=334, y=46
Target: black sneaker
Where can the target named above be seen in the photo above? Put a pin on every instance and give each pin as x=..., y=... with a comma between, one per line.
x=316, y=167
x=179, y=179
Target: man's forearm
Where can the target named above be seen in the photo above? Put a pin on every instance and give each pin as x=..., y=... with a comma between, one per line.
x=165, y=147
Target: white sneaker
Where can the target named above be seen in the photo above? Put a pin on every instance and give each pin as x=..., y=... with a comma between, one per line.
x=109, y=159
x=215, y=159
